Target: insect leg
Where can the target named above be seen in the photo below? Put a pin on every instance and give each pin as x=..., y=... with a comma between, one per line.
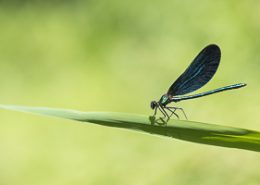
x=164, y=112
x=179, y=109
x=183, y=113
x=155, y=111
x=172, y=112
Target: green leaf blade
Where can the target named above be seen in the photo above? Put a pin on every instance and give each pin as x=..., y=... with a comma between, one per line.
x=180, y=129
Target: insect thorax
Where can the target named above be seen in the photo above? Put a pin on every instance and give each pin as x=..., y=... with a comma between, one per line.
x=164, y=100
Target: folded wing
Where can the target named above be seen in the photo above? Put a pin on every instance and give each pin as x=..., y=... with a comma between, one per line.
x=200, y=71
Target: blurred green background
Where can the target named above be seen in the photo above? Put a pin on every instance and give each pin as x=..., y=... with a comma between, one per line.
x=118, y=56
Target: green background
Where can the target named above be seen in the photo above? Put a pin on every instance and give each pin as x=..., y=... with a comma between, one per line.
x=118, y=56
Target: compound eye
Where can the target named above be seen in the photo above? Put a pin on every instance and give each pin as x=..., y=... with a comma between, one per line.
x=153, y=104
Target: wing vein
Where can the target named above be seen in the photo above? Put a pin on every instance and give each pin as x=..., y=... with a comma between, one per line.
x=200, y=71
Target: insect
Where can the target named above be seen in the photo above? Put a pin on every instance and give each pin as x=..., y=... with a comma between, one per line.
x=200, y=71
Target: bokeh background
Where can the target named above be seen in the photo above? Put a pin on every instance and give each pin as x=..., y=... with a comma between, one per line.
x=118, y=56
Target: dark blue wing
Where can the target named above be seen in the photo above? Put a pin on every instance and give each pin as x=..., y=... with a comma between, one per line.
x=200, y=71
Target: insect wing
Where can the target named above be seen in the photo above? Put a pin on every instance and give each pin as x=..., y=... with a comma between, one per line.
x=200, y=71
